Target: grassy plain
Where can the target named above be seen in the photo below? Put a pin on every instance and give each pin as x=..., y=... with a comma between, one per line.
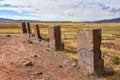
x=110, y=31
x=110, y=34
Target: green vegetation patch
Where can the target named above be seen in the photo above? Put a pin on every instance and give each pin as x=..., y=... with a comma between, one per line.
x=115, y=60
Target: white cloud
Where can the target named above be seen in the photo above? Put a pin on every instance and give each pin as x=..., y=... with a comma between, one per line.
x=73, y=10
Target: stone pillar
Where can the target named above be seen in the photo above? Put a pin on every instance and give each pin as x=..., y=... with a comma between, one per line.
x=28, y=28
x=89, y=53
x=28, y=31
x=23, y=28
x=37, y=32
x=55, y=38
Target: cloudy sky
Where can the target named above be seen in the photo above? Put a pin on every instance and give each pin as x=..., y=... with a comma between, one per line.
x=60, y=10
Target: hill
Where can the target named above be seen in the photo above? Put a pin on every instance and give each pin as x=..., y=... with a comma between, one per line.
x=100, y=21
x=13, y=20
x=116, y=20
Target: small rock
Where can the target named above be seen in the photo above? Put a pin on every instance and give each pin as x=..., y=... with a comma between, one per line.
x=60, y=66
x=28, y=63
x=73, y=64
x=33, y=35
x=30, y=42
x=34, y=56
x=8, y=35
x=38, y=73
x=39, y=39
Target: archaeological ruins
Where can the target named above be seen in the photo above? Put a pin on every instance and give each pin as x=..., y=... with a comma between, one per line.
x=88, y=45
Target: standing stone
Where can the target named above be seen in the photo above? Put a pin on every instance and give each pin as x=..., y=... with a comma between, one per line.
x=37, y=32
x=28, y=31
x=23, y=28
x=89, y=53
x=55, y=38
x=28, y=28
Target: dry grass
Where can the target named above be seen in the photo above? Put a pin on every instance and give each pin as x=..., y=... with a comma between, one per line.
x=9, y=30
x=111, y=60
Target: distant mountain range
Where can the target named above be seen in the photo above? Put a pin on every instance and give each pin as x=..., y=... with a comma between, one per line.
x=116, y=20
x=12, y=20
x=100, y=21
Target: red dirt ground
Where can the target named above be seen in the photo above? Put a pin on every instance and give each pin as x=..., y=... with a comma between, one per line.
x=47, y=65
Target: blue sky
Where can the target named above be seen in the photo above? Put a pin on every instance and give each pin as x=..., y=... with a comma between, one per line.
x=60, y=10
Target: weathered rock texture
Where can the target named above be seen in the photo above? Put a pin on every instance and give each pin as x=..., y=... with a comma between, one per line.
x=23, y=28
x=37, y=32
x=55, y=38
x=89, y=53
x=28, y=28
x=29, y=32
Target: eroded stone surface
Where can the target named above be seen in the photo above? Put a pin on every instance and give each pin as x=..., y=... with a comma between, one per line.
x=28, y=28
x=55, y=38
x=89, y=53
x=37, y=32
x=23, y=28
